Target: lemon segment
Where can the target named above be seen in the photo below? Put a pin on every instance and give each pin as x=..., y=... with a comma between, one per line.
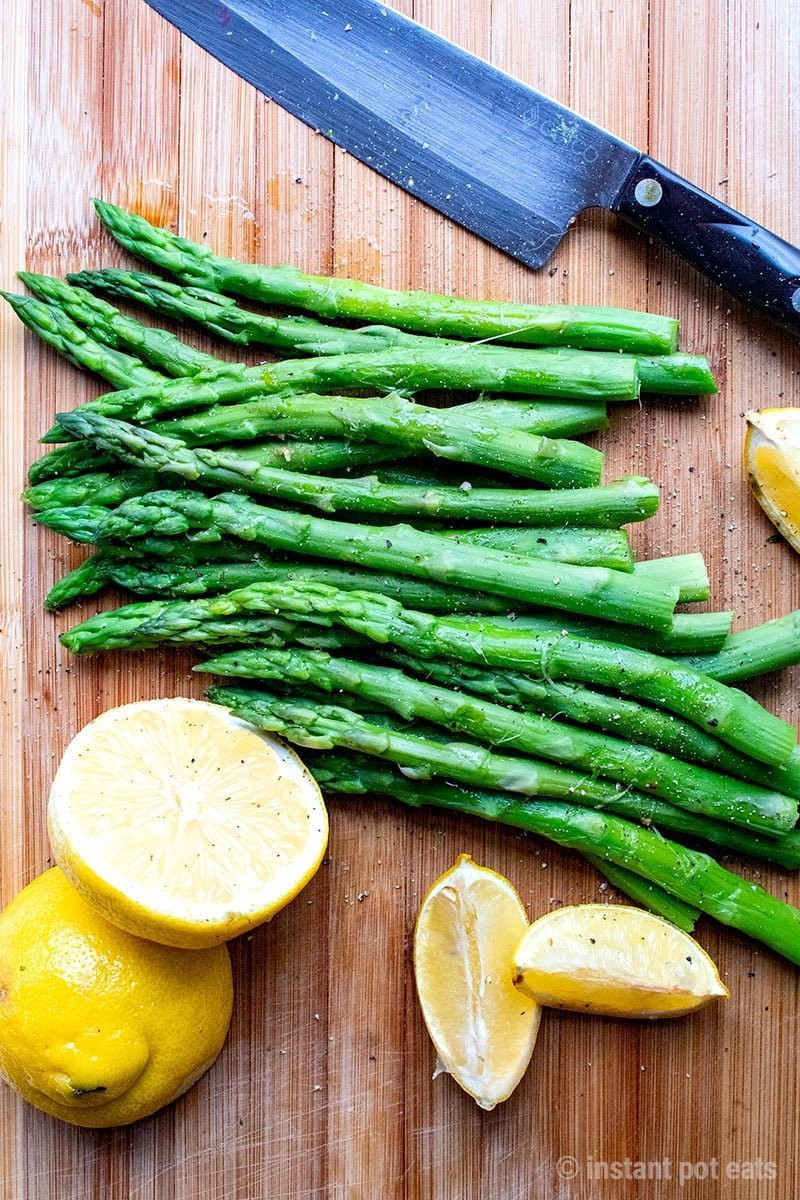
x=181, y=823
x=482, y=1027
x=98, y=1027
x=614, y=961
x=772, y=461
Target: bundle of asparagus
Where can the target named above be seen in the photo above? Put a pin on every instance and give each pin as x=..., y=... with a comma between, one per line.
x=511, y=613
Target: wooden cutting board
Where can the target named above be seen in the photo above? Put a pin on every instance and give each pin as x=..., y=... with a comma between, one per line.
x=324, y=1088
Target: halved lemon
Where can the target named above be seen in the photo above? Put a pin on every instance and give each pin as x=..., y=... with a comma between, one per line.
x=772, y=460
x=183, y=824
x=483, y=1028
x=616, y=961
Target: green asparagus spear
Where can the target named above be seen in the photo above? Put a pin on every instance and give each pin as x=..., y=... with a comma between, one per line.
x=187, y=569
x=467, y=433
x=584, y=546
x=730, y=715
x=194, y=265
x=687, y=628
x=671, y=373
x=609, y=507
x=547, y=375
x=688, y=874
x=221, y=315
x=635, y=765
x=157, y=577
x=614, y=714
x=88, y=578
x=156, y=347
x=355, y=774
x=556, y=463
x=645, y=810
x=687, y=572
x=592, y=591
x=329, y=455
x=767, y=647
x=99, y=488
x=60, y=331
x=154, y=576
x=67, y=461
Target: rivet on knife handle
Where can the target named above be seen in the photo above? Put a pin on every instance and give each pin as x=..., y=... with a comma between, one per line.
x=751, y=263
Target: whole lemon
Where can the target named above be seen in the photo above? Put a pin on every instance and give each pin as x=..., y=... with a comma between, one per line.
x=99, y=1027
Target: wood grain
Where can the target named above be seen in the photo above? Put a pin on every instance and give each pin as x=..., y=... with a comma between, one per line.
x=325, y=1088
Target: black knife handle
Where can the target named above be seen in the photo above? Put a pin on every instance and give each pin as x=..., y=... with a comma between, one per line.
x=747, y=260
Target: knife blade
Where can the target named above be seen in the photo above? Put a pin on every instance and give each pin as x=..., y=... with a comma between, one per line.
x=496, y=156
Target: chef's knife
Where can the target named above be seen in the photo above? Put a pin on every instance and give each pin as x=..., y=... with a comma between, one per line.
x=481, y=147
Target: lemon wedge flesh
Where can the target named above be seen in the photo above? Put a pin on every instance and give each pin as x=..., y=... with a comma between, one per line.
x=483, y=1028
x=181, y=823
x=772, y=460
x=615, y=961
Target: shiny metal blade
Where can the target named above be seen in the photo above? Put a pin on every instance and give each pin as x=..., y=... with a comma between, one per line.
x=496, y=156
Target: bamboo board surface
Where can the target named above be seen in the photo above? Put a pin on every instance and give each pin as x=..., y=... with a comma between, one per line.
x=324, y=1088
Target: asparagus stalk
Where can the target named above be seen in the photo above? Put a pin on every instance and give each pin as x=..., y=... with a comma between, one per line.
x=584, y=546
x=670, y=372
x=687, y=874
x=687, y=572
x=197, y=577
x=355, y=774
x=645, y=810
x=614, y=714
x=194, y=265
x=157, y=577
x=391, y=419
x=330, y=455
x=102, y=321
x=592, y=591
x=686, y=629
x=202, y=568
x=609, y=507
x=221, y=315
x=570, y=374
x=635, y=765
x=730, y=715
x=767, y=647
x=88, y=578
x=60, y=331
x=102, y=489
x=556, y=463
x=361, y=417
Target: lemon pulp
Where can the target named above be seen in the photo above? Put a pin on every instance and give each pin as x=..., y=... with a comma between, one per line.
x=182, y=823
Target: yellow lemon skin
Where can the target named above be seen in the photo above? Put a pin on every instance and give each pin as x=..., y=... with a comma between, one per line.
x=615, y=961
x=98, y=1027
x=772, y=461
x=483, y=1029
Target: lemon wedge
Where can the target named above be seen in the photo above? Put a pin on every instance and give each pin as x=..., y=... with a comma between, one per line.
x=772, y=460
x=483, y=1028
x=615, y=961
x=181, y=823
